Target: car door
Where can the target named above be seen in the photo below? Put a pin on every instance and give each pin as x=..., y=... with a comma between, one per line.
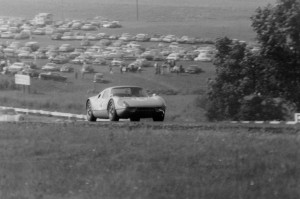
x=96, y=101
x=104, y=99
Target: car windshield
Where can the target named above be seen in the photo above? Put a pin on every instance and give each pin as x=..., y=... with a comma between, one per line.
x=129, y=92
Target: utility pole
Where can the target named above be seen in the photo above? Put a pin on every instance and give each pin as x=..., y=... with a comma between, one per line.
x=137, y=10
x=62, y=10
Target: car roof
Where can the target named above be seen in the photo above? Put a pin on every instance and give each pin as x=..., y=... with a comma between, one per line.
x=125, y=86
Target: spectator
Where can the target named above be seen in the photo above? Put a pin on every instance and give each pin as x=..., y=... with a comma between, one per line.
x=181, y=70
x=176, y=69
x=169, y=65
x=82, y=74
x=162, y=68
x=110, y=68
x=156, y=68
x=3, y=63
x=173, y=63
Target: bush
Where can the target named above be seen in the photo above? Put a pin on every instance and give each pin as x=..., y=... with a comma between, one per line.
x=256, y=107
x=7, y=84
x=201, y=101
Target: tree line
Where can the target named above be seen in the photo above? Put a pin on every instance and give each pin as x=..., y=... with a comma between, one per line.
x=261, y=83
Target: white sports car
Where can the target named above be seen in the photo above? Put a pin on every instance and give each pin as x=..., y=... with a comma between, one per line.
x=125, y=102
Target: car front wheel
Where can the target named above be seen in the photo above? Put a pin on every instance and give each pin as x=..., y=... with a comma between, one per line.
x=89, y=113
x=112, y=114
x=159, y=117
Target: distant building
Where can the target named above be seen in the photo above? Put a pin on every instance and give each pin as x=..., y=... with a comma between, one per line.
x=43, y=19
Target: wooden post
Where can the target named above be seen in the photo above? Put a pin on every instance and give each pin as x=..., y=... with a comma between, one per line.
x=137, y=10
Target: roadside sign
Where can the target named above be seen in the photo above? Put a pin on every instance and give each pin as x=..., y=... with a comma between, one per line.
x=22, y=79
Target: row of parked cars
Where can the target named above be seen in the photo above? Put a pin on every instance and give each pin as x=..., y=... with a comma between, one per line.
x=49, y=71
x=140, y=37
x=14, y=27
x=101, y=52
x=77, y=30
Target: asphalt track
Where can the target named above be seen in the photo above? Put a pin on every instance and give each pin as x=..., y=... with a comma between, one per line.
x=126, y=125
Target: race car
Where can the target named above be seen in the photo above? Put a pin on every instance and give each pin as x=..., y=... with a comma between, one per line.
x=125, y=102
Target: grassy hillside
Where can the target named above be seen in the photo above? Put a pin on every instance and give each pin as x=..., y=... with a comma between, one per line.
x=65, y=161
x=204, y=19
x=71, y=96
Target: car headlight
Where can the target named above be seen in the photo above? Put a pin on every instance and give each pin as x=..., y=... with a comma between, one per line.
x=123, y=103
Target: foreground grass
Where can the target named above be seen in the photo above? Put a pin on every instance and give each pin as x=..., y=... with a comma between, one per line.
x=71, y=161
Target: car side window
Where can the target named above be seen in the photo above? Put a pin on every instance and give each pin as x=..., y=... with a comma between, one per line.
x=105, y=94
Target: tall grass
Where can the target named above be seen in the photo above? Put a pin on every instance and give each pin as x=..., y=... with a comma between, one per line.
x=81, y=161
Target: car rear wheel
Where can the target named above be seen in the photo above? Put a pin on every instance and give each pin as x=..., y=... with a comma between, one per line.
x=89, y=113
x=112, y=114
x=159, y=117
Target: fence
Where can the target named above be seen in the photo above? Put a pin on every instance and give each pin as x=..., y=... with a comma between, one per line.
x=47, y=113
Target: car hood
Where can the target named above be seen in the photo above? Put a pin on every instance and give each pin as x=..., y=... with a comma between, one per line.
x=142, y=101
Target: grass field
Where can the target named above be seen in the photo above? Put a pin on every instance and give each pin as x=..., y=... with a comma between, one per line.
x=80, y=161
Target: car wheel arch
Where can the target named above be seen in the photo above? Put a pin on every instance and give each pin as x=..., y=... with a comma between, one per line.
x=88, y=101
x=109, y=102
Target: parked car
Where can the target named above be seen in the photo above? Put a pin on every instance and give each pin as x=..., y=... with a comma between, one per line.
x=193, y=69
x=87, y=69
x=133, y=67
x=50, y=67
x=112, y=24
x=66, y=69
x=173, y=56
x=25, y=55
x=39, y=31
x=131, y=102
x=21, y=35
x=98, y=78
x=60, y=59
x=117, y=62
x=56, y=36
x=88, y=27
x=66, y=48
x=52, y=76
x=142, y=37
x=7, y=35
x=99, y=61
x=204, y=57
x=31, y=72
x=15, y=67
x=33, y=45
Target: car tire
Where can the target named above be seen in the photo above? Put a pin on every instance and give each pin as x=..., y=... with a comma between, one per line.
x=112, y=114
x=159, y=117
x=89, y=113
x=135, y=119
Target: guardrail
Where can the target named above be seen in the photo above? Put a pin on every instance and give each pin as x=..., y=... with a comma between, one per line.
x=69, y=116
x=297, y=117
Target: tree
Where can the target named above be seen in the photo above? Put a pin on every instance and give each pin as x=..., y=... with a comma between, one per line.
x=278, y=32
x=267, y=82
